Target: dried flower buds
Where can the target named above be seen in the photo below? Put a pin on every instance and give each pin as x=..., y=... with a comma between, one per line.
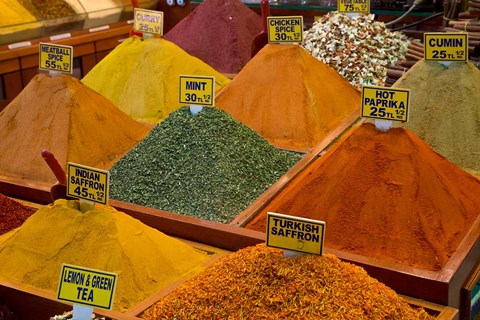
x=360, y=49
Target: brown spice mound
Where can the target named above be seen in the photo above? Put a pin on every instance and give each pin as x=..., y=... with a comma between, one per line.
x=69, y=119
x=288, y=97
x=258, y=283
x=384, y=195
x=12, y=214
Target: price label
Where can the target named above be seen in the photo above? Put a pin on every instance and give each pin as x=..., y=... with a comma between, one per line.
x=54, y=57
x=196, y=90
x=87, y=287
x=385, y=103
x=87, y=183
x=148, y=21
x=354, y=6
x=285, y=29
x=295, y=233
x=445, y=46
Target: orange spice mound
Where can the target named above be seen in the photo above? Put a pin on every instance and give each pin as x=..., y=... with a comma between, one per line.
x=69, y=119
x=259, y=283
x=290, y=98
x=384, y=195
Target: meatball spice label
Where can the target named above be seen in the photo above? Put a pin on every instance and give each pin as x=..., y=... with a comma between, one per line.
x=385, y=103
x=56, y=58
x=88, y=287
x=295, y=233
x=354, y=6
x=288, y=29
x=445, y=46
x=87, y=183
x=148, y=21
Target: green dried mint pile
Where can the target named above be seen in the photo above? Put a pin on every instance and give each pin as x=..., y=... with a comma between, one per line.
x=208, y=166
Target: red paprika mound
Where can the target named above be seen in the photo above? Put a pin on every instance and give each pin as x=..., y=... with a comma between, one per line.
x=385, y=195
x=12, y=214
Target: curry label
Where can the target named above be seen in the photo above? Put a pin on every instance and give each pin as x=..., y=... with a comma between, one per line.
x=441, y=46
x=87, y=287
x=385, y=103
x=295, y=233
x=196, y=90
x=288, y=29
x=87, y=183
x=148, y=21
x=54, y=57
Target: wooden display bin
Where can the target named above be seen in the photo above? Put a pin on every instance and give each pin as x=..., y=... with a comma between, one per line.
x=446, y=287
x=29, y=303
x=19, y=65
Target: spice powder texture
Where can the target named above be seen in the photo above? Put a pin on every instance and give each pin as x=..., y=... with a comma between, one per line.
x=208, y=166
x=289, y=97
x=445, y=109
x=218, y=32
x=258, y=283
x=69, y=119
x=387, y=196
x=12, y=214
x=145, y=259
x=142, y=77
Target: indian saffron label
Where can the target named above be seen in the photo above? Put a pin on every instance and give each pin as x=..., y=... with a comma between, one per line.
x=89, y=287
x=54, y=57
x=295, y=233
x=195, y=90
x=354, y=6
x=87, y=183
x=148, y=21
x=385, y=103
x=441, y=46
x=288, y=29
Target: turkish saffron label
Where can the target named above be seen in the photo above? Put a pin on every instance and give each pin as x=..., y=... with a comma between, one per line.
x=87, y=183
x=87, y=287
x=285, y=29
x=385, y=103
x=54, y=57
x=354, y=6
x=295, y=233
x=195, y=90
x=148, y=21
x=445, y=46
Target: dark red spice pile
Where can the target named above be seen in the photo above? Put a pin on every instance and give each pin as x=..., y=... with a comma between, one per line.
x=12, y=214
x=218, y=32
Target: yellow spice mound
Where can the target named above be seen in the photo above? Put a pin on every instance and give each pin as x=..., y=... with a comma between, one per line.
x=13, y=13
x=145, y=259
x=141, y=77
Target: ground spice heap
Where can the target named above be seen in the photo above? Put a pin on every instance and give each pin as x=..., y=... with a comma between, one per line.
x=258, y=283
x=445, y=109
x=360, y=49
x=207, y=166
x=384, y=195
x=14, y=13
x=145, y=259
x=288, y=97
x=141, y=77
x=219, y=32
x=12, y=214
x=64, y=116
